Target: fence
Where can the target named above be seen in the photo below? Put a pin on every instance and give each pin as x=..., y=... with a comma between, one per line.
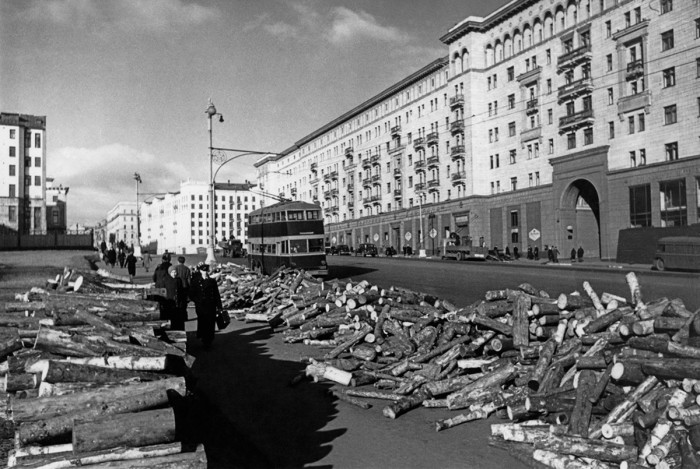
x=14, y=241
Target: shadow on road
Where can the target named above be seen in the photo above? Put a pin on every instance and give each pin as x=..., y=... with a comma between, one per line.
x=252, y=417
x=345, y=271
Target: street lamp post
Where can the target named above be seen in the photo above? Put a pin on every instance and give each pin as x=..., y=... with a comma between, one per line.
x=421, y=249
x=137, y=245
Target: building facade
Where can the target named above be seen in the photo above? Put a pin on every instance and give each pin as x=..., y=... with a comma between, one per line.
x=547, y=123
x=120, y=225
x=22, y=173
x=179, y=221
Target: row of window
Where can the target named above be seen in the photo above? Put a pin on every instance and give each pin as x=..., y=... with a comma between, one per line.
x=673, y=205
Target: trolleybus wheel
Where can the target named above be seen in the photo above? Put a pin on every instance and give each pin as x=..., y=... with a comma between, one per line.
x=460, y=256
x=659, y=264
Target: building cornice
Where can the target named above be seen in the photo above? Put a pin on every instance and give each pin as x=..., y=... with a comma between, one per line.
x=483, y=24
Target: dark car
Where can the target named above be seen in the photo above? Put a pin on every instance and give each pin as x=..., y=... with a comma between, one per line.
x=366, y=249
x=340, y=250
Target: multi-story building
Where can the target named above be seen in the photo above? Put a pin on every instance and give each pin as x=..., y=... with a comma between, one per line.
x=548, y=123
x=179, y=221
x=56, y=207
x=22, y=173
x=121, y=224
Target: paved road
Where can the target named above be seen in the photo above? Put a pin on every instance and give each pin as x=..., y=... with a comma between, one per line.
x=258, y=420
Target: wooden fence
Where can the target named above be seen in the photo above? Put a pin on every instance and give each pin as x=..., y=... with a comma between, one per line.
x=9, y=242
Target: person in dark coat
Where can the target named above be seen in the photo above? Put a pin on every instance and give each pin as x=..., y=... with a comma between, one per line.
x=573, y=254
x=147, y=260
x=516, y=252
x=529, y=253
x=167, y=303
x=207, y=301
x=121, y=257
x=536, y=253
x=111, y=256
x=162, y=269
x=179, y=313
x=580, y=253
x=131, y=265
x=183, y=273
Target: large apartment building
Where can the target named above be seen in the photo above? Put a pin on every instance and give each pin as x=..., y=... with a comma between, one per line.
x=179, y=221
x=546, y=123
x=22, y=173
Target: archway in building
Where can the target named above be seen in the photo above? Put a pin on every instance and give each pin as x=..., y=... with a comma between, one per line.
x=579, y=219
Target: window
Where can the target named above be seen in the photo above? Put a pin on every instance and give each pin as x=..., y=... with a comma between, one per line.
x=529, y=152
x=550, y=116
x=514, y=183
x=13, y=191
x=672, y=205
x=13, y=151
x=669, y=76
x=27, y=181
x=608, y=29
x=611, y=130
x=514, y=215
x=12, y=170
x=641, y=123
x=491, y=161
x=611, y=98
x=571, y=140
x=12, y=213
x=671, y=151
x=37, y=140
x=512, y=157
x=549, y=56
x=633, y=158
x=551, y=146
x=610, y=62
x=511, y=73
x=549, y=86
x=642, y=157
x=511, y=97
x=537, y=178
x=587, y=103
x=667, y=40
x=670, y=116
x=588, y=136
x=37, y=180
x=488, y=82
x=640, y=206
x=37, y=162
x=493, y=188
x=511, y=129
x=628, y=20
x=630, y=124
x=27, y=162
x=697, y=68
x=666, y=6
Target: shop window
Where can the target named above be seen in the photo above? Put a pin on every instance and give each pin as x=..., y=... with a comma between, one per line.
x=640, y=205
x=672, y=200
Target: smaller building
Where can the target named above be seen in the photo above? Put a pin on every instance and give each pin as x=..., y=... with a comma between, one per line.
x=56, y=207
x=121, y=224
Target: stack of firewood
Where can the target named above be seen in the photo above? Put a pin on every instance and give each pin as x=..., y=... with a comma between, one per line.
x=585, y=380
x=90, y=379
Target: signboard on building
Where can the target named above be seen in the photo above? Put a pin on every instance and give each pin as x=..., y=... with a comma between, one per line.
x=534, y=234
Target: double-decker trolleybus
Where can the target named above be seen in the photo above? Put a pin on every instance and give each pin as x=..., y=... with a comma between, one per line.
x=288, y=233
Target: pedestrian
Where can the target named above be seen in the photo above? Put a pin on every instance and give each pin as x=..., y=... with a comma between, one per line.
x=121, y=246
x=166, y=254
x=103, y=248
x=131, y=265
x=573, y=254
x=580, y=254
x=530, y=255
x=550, y=253
x=167, y=302
x=185, y=275
x=516, y=252
x=555, y=255
x=207, y=301
x=147, y=260
x=121, y=257
x=536, y=253
x=179, y=312
x=161, y=270
x=111, y=256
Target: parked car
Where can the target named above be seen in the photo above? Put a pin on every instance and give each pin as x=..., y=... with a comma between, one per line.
x=366, y=249
x=340, y=250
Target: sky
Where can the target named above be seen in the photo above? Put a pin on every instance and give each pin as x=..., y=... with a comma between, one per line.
x=124, y=83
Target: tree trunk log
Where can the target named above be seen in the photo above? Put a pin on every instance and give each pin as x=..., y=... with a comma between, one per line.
x=406, y=403
x=54, y=341
x=622, y=408
x=493, y=380
x=146, y=428
x=581, y=415
x=586, y=448
x=521, y=333
x=68, y=372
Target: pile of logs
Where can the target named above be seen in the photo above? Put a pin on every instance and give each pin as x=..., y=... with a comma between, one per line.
x=584, y=380
x=91, y=379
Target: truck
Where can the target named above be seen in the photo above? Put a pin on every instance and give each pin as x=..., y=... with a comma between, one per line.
x=463, y=249
x=232, y=248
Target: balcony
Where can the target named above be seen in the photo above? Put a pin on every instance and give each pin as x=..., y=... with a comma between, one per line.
x=531, y=134
x=367, y=182
x=418, y=143
x=458, y=177
x=457, y=152
x=397, y=172
x=366, y=163
x=350, y=166
x=397, y=193
x=457, y=101
x=376, y=199
x=351, y=205
x=374, y=159
x=575, y=89
x=634, y=70
x=348, y=151
x=327, y=195
x=327, y=211
x=351, y=188
x=576, y=120
x=313, y=180
x=532, y=106
x=420, y=187
x=327, y=177
x=457, y=127
x=432, y=138
x=313, y=167
x=531, y=75
x=395, y=130
x=367, y=200
x=376, y=179
x=433, y=161
x=573, y=58
x=293, y=191
x=334, y=175
x=634, y=102
x=433, y=184
x=334, y=192
x=334, y=209
x=419, y=165
x=397, y=149
x=631, y=32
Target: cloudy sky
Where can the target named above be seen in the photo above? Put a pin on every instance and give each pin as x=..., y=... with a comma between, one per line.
x=124, y=83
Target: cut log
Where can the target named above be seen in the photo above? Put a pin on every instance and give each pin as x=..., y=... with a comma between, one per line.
x=521, y=333
x=581, y=415
x=24, y=410
x=69, y=372
x=20, y=382
x=54, y=341
x=319, y=370
x=586, y=448
x=625, y=406
x=406, y=403
x=98, y=322
x=492, y=380
x=477, y=414
x=146, y=428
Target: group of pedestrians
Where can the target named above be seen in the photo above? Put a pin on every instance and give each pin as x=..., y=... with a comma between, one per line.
x=121, y=255
x=182, y=285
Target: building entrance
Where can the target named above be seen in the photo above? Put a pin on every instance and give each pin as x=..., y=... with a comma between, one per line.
x=579, y=219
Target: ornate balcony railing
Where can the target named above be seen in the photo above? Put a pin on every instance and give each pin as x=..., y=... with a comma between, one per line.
x=457, y=127
x=366, y=163
x=418, y=142
x=574, y=57
x=433, y=161
x=457, y=101
x=458, y=176
x=420, y=187
x=532, y=106
x=397, y=149
x=432, y=138
x=395, y=130
x=575, y=120
x=374, y=159
x=397, y=192
x=635, y=69
x=457, y=152
x=575, y=89
x=348, y=150
x=419, y=165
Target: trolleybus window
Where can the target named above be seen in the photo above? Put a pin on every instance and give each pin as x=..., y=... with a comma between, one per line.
x=295, y=215
x=316, y=245
x=297, y=245
x=284, y=247
x=313, y=215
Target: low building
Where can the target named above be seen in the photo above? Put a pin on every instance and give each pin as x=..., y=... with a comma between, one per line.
x=121, y=224
x=56, y=207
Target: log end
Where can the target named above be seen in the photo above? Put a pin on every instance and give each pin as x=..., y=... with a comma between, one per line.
x=389, y=412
